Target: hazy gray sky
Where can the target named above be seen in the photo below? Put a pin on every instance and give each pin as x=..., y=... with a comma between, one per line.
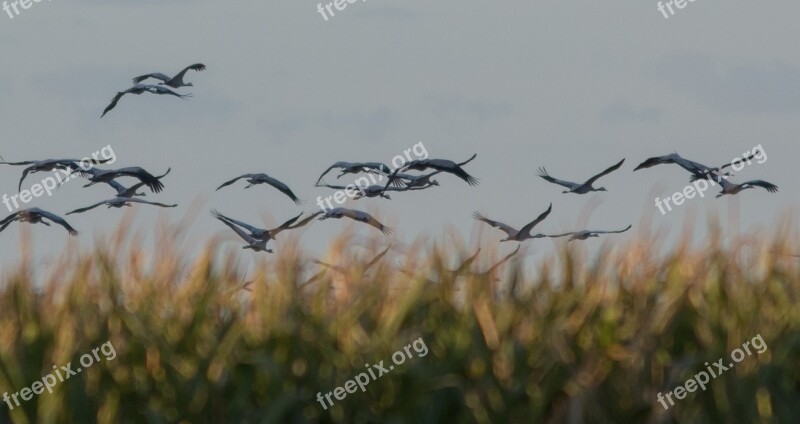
x=573, y=86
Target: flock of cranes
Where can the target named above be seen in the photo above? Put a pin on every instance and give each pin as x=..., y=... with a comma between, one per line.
x=411, y=176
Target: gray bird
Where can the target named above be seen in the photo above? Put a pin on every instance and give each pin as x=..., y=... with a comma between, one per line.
x=139, y=89
x=96, y=175
x=119, y=202
x=36, y=216
x=174, y=82
x=583, y=188
x=254, y=179
x=523, y=233
x=338, y=213
x=443, y=165
x=585, y=234
x=72, y=165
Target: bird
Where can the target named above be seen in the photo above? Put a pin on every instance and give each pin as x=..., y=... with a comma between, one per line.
x=338, y=213
x=123, y=191
x=263, y=234
x=96, y=175
x=356, y=167
x=698, y=170
x=576, y=188
x=513, y=235
x=254, y=179
x=442, y=165
x=585, y=234
x=70, y=165
x=119, y=202
x=733, y=188
x=407, y=180
x=139, y=89
x=174, y=82
x=36, y=216
x=254, y=244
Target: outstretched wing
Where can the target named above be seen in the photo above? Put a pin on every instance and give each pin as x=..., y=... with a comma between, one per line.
x=505, y=228
x=607, y=171
x=113, y=103
x=526, y=230
x=227, y=183
x=306, y=220
x=612, y=232
x=58, y=220
x=81, y=210
x=156, y=75
x=283, y=188
x=543, y=173
x=367, y=219
x=772, y=188
x=335, y=165
x=196, y=67
x=246, y=226
x=135, y=200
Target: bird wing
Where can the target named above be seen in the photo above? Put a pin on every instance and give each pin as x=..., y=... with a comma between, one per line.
x=611, y=232
x=104, y=202
x=9, y=219
x=246, y=237
x=543, y=173
x=135, y=200
x=468, y=160
x=286, y=225
x=283, y=188
x=658, y=160
x=227, y=183
x=306, y=220
x=113, y=103
x=452, y=168
x=505, y=228
x=335, y=187
x=526, y=230
x=27, y=162
x=196, y=67
x=24, y=174
x=246, y=226
x=607, y=171
x=565, y=234
x=335, y=165
x=58, y=220
x=747, y=159
x=157, y=89
x=147, y=178
x=156, y=75
x=367, y=219
x=772, y=188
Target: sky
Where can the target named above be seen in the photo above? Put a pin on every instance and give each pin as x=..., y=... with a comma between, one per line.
x=572, y=86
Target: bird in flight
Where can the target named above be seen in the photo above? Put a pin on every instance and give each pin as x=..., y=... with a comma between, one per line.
x=698, y=170
x=732, y=188
x=263, y=234
x=119, y=202
x=338, y=213
x=95, y=176
x=576, y=188
x=585, y=234
x=357, y=167
x=139, y=89
x=36, y=216
x=69, y=165
x=523, y=233
x=131, y=191
x=174, y=82
x=441, y=165
x=254, y=179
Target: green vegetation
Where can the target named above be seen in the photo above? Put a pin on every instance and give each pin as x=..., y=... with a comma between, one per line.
x=567, y=340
